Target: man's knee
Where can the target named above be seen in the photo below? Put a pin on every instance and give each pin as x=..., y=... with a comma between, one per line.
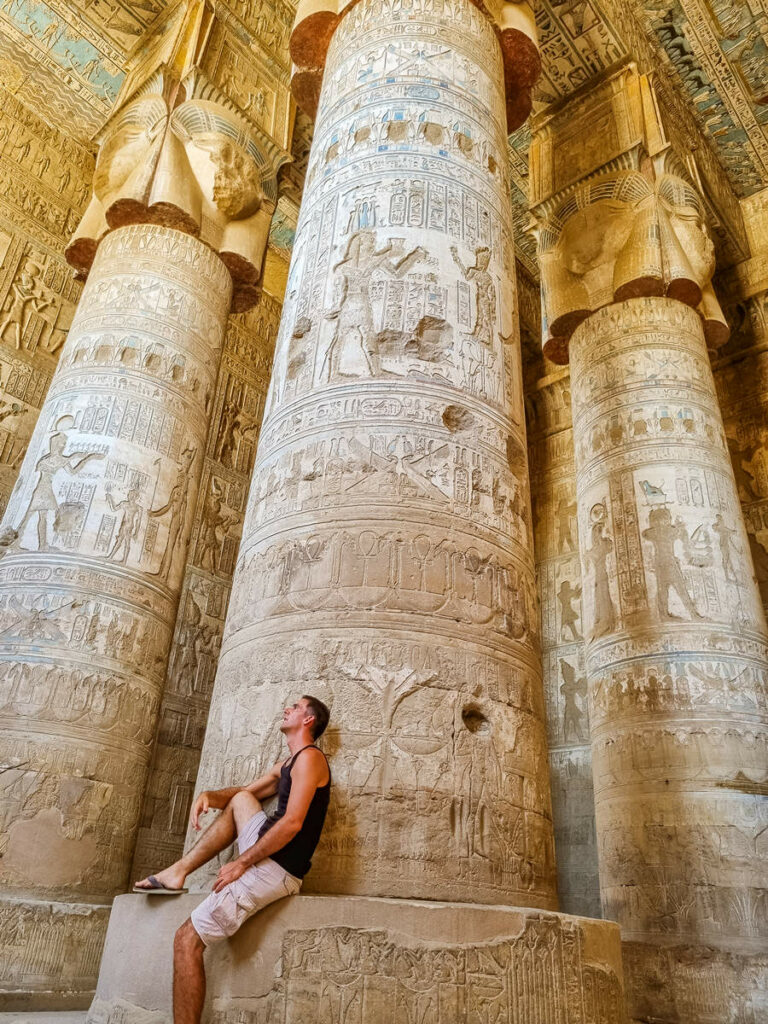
x=244, y=805
x=186, y=941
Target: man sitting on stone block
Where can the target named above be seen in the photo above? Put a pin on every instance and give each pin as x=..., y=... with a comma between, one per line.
x=275, y=850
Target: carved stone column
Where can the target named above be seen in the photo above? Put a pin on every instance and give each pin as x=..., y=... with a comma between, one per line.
x=676, y=642
x=558, y=571
x=386, y=557
x=96, y=531
x=214, y=539
x=386, y=562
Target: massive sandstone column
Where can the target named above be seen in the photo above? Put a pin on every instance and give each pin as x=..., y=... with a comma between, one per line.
x=558, y=571
x=386, y=562
x=386, y=559
x=676, y=642
x=96, y=531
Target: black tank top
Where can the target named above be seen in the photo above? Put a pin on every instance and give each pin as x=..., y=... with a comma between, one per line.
x=296, y=856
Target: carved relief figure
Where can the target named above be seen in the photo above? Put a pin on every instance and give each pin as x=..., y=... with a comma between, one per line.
x=43, y=499
x=663, y=534
x=130, y=524
x=569, y=615
x=571, y=688
x=566, y=512
x=214, y=522
x=728, y=550
x=354, y=343
x=745, y=461
x=604, y=613
x=485, y=293
x=176, y=505
x=27, y=297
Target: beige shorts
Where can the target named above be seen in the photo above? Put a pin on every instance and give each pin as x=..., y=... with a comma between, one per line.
x=221, y=913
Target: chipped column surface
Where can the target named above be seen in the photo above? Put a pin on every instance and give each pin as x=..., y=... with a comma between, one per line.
x=386, y=561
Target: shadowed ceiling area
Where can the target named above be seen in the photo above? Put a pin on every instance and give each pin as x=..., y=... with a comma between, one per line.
x=68, y=59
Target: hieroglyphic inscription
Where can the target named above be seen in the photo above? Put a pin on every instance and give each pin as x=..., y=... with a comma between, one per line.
x=44, y=182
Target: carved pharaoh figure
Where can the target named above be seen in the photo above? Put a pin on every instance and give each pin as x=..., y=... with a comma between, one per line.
x=354, y=345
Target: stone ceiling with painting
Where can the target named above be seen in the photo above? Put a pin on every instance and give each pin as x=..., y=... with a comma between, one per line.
x=67, y=59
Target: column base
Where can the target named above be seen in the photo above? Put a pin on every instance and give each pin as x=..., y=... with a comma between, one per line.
x=694, y=984
x=369, y=961
x=49, y=953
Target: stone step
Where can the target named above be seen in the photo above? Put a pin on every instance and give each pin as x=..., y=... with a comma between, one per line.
x=45, y=1017
x=362, y=960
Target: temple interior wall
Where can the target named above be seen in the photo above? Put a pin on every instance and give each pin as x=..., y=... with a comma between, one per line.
x=45, y=180
x=47, y=177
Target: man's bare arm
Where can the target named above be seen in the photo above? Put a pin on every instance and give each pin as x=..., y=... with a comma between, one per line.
x=266, y=786
x=217, y=799
x=309, y=772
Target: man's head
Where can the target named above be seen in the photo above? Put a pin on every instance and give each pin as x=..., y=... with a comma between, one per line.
x=309, y=712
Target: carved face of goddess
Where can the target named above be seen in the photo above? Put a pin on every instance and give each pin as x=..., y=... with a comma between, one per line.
x=126, y=147
x=236, y=182
x=698, y=246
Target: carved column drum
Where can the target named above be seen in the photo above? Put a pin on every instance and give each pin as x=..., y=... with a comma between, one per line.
x=96, y=534
x=675, y=658
x=386, y=563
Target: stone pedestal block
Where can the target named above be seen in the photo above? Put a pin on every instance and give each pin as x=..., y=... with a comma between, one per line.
x=362, y=960
x=50, y=953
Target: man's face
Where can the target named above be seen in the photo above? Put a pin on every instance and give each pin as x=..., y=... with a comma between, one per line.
x=294, y=716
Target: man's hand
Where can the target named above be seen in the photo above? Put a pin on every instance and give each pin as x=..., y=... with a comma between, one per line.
x=200, y=806
x=229, y=873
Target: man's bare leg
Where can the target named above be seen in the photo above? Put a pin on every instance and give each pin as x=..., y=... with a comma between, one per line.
x=217, y=837
x=188, y=975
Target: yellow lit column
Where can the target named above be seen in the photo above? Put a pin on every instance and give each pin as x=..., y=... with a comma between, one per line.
x=95, y=535
x=674, y=628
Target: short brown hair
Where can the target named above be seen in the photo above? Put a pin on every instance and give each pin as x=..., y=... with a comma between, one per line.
x=321, y=715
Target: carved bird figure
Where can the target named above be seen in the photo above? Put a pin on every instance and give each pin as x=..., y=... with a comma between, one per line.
x=654, y=495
